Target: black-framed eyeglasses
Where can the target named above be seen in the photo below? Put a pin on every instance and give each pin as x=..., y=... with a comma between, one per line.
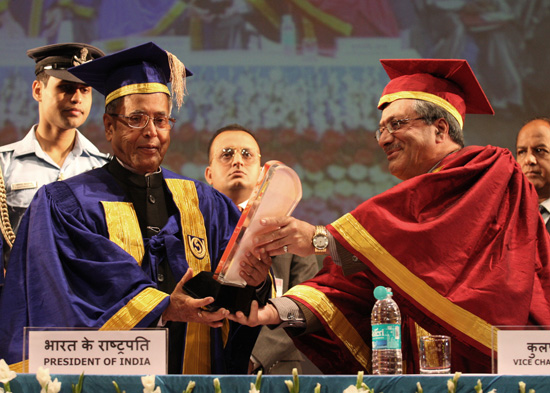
x=140, y=120
x=392, y=126
x=227, y=153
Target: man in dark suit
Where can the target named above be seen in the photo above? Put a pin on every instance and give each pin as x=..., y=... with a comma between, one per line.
x=533, y=154
x=234, y=166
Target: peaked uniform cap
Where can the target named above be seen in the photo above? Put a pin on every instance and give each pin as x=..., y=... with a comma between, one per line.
x=448, y=83
x=56, y=59
x=145, y=68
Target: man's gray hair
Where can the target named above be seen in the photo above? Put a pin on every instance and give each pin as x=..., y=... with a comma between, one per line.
x=430, y=112
x=113, y=106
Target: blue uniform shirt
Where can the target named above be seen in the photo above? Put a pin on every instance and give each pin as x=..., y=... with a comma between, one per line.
x=26, y=168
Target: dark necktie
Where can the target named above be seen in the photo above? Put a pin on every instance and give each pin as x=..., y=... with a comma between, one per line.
x=543, y=212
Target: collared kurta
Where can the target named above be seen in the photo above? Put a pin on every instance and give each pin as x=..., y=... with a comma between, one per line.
x=463, y=248
x=80, y=260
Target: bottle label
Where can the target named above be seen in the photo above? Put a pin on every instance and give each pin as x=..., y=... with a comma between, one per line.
x=386, y=336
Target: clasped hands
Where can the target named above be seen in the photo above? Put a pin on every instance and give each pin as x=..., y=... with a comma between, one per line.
x=280, y=235
x=185, y=308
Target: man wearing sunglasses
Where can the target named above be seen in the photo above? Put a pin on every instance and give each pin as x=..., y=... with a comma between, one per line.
x=234, y=167
x=234, y=163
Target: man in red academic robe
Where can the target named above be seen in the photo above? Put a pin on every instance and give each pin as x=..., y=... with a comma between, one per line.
x=460, y=240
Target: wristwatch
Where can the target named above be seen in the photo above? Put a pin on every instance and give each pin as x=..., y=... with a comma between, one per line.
x=320, y=239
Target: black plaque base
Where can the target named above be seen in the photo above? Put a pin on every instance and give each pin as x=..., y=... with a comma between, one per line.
x=226, y=296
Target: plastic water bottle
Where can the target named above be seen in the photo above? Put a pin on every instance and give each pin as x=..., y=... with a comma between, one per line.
x=386, y=334
x=309, y=40
x=288, y=35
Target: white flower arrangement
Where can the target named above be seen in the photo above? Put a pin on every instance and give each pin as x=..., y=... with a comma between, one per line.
x=48, y=386
x=53, y=387
x=451, y=388
x=43, y=376
x=217, y=386
x=45, y=381
x=117, y=389
x=78, y=387
x=360, y=386
x=522, y=388
x=453, y=383
x=255, y=387
x=148, y=382
x=190, y=387
x=6, y=375
x=479, y=388
x=294, y=385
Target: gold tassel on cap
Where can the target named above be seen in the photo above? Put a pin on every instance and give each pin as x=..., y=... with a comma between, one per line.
x=177, y=78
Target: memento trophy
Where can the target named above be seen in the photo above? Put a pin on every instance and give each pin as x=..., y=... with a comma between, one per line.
x=276, y=194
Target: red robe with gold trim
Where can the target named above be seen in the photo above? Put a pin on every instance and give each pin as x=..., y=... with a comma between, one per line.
x=463, y=248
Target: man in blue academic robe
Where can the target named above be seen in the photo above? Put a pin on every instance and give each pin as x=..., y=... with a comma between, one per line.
x=112, y=248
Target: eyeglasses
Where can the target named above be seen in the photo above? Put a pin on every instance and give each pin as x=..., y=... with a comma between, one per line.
x=393, y=126
x=227, y=154
x=140, y=120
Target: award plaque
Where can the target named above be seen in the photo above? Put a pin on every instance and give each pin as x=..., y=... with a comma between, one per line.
x=276, y=194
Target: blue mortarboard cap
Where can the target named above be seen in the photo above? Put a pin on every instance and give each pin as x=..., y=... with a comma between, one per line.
x=145, y=68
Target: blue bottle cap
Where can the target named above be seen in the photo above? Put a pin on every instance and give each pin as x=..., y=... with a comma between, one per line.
x=381, y=292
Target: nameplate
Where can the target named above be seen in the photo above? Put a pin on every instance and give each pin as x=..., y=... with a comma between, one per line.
x=23, y=186
x=524, y=352
x=98, y=352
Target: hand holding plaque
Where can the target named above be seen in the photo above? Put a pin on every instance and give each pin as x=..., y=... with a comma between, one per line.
x=277, y=193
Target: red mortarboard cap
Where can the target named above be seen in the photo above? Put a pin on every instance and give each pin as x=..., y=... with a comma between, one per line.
x=448, y=83
x=145, y=68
